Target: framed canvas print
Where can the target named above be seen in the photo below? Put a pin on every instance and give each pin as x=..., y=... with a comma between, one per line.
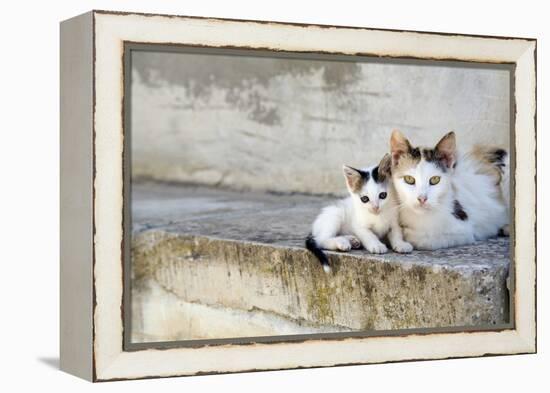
x=245, y=195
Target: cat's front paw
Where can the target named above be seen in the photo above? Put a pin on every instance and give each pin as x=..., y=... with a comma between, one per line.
x=403, y=247
x=355, y=243
x=377, y=248
x=343, y=244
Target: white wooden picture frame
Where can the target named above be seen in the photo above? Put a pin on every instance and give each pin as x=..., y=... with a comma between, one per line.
x=93, y=196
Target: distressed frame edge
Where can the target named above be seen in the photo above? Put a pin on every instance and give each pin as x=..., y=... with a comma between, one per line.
x=525, y=339
x=76, y=196
x=526, y=122
x=305, y=25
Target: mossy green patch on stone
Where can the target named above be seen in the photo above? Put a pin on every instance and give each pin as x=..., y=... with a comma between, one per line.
x=319, y=303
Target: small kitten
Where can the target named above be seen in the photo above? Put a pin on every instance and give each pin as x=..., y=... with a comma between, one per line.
x=448, y=199
x=367, y=215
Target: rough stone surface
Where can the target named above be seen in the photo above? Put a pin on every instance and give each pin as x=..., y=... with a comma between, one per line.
x=289, y=125
x=217, y=264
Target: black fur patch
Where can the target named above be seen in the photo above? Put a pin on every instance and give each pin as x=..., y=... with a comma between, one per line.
x=364, y=175
x=415, y=153
x=458, y=211
x=376, y=176
x=312, y=246
x=497, y=157
x=432, y=155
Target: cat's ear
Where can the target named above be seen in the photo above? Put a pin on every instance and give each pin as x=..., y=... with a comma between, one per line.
x=354, y=178
x=399, y=145
x=384, y=168
x=446, y=149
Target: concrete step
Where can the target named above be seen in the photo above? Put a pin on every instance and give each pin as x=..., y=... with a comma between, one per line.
x=212, y=263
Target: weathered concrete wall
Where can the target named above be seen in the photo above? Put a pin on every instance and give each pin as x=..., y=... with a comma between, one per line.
x=216, y=264
x=289, y=125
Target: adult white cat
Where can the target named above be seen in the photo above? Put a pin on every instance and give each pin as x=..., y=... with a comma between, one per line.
x=449, y=199
x=366, y=217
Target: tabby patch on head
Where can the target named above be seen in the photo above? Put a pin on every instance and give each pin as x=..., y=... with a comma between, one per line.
x=442, y=204
x=422, y=175
x=357, y=178
x=405, y=156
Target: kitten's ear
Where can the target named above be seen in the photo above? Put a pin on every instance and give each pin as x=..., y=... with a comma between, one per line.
x=446, y=149
x=384, y=168
x=399, y=145
x=354, y=179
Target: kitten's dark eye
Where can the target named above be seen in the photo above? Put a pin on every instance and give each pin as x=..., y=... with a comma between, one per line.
x=383, y=195
x=364, y=199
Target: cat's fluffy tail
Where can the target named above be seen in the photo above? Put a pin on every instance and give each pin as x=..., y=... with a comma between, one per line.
x=312, y=246
x=495, y=162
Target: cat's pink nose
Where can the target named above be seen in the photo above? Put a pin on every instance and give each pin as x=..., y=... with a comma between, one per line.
x=422, y=199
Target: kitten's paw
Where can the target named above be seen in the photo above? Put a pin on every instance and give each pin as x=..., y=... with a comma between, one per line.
x=343, y=244
x=403, y=247
x=377, y=248
x=355, y=243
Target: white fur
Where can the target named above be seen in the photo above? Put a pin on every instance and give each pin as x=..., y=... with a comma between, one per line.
x=434, y=226
x=351, y=223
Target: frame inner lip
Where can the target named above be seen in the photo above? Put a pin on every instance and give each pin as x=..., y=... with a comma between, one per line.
x=285, y=339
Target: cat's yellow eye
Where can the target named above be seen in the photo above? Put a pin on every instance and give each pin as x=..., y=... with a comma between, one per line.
x=409, y=179
x=434, y=180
